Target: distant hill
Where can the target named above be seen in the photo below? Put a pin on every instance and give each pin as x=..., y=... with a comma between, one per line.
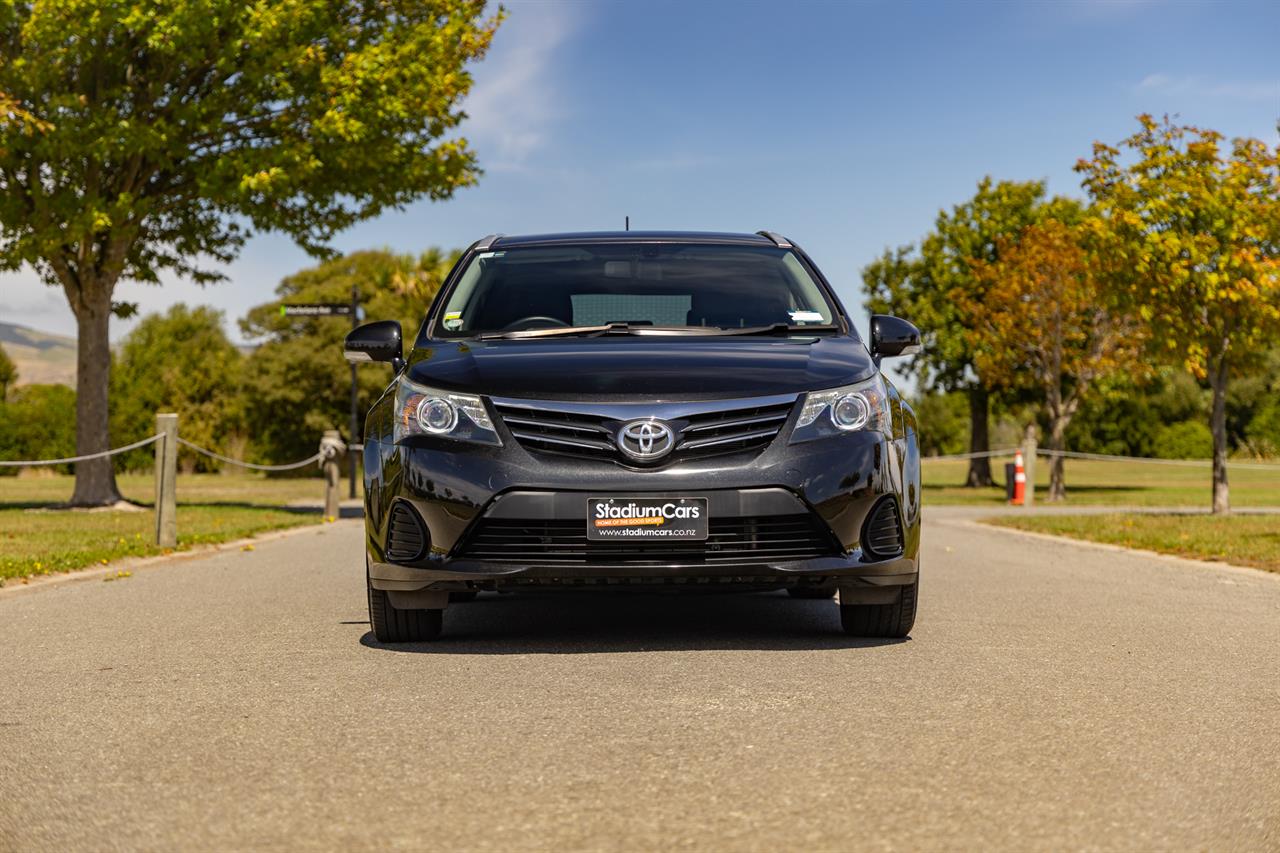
x=41, y=358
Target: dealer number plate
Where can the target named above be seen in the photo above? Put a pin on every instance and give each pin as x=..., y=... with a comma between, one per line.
x=646, y=519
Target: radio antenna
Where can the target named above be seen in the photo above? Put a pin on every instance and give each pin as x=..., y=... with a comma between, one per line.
x=628, y=223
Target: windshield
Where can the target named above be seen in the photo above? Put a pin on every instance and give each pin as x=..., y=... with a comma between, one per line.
x=639, y=285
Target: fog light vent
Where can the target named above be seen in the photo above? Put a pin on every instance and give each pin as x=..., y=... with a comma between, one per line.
x=882, y=532
x=406, y=537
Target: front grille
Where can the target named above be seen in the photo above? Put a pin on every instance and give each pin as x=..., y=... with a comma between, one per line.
x=731, y=541
x=559, y=432
x=882, y=532
x=406, y=539
x=704, y=431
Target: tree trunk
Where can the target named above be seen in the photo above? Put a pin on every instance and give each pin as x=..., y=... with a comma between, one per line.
x=95, y=479
x=979, y=440
x=1218, y=426
x=1057, y=465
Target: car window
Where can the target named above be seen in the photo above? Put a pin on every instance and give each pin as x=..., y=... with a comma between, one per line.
x=639, y=284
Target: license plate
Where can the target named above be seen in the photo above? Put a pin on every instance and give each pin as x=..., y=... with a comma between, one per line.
x=646, y=519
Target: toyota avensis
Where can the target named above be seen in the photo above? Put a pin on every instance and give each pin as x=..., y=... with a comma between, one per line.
x=639, y=411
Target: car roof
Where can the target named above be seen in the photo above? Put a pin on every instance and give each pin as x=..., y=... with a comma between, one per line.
x=506, y=242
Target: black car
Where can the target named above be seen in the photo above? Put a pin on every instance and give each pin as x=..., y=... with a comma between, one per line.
x=639, y=411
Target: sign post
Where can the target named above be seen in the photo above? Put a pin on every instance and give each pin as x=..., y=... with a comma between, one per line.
x=355, y=413
x=337, y=309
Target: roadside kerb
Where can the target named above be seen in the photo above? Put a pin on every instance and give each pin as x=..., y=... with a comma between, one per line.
x=33, y=583
x=1185, y=562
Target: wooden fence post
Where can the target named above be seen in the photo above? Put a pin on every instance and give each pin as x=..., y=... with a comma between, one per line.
x=167, y=481
x=331, y=442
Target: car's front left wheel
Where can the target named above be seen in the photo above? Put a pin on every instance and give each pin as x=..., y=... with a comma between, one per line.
x=392, y=625
x=893, y=620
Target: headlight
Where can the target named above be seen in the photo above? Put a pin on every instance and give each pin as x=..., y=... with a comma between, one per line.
x=848, y=409
x=425, y=411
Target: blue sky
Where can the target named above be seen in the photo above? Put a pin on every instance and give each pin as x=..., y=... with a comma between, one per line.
x=845, y=126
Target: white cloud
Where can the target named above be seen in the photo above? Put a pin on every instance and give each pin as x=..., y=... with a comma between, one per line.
x=1198, y=86
x=28, y=301
x=516, y=98
x=1153, y=81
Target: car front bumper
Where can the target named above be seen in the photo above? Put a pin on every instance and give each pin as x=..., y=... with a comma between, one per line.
x=837, y=482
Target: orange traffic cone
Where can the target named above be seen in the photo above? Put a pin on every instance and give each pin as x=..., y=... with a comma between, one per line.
x=1019, y=480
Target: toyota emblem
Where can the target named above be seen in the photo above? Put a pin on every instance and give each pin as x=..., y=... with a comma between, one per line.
x=646, y=440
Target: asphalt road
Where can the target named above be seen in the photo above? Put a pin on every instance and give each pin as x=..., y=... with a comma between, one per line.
x=1051, y=696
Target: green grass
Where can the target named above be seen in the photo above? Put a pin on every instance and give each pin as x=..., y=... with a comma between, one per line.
x=37, y=539
x=1092, y=483
x=1246, y=540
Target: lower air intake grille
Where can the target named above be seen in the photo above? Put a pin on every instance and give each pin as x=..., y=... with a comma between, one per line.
x=732, y=541
x=406, y=539
x=882, y=532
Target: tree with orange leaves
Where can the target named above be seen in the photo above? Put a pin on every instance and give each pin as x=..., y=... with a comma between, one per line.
x=1043, y=324
x=1188, y=231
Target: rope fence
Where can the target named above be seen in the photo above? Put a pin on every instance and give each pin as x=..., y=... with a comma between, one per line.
x=332, y=448
x=1097, y=457
x=292, y=466
x=33, y=463
x=167, y=440
x=985, y=454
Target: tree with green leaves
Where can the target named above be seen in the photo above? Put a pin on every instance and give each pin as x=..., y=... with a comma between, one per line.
x=143, y=138
x=180, y=361
x=36, y=422
x=1043, y=323
x=1189, y=230
x=8, y=374
x=296, y=377
x=921, y=285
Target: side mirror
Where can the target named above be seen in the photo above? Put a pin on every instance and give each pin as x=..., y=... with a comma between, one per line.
x=378, y=341
x=891, y=336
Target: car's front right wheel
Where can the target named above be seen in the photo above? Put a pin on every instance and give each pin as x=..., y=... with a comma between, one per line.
x=882, y=620
x=392, y=625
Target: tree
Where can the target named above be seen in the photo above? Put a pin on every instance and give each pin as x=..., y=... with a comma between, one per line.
x=1126, y=417
x=1043, y=322
x=920, y=285
x=144, y=138
x=1190, y=237
x=180, y=361
x=8, y=374
x=296, y=377
x=943, y=423
x=37, y=423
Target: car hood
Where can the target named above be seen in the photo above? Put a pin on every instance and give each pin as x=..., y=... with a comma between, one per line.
x=647, y=368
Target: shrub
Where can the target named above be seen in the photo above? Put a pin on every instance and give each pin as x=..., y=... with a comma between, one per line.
x=38, y=422
x=1185, y=440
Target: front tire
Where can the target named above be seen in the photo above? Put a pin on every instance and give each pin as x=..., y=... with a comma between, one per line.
x=882, y=620
x=391, y=625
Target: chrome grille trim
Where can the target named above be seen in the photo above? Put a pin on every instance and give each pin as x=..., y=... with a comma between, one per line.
x=568, y=442
x=737, y=422
x=743, y=436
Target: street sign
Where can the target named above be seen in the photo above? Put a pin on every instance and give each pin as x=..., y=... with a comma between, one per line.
x=316, y=309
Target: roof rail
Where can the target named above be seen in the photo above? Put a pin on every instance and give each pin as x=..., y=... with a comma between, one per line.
x=778, y=240
x=484, y=244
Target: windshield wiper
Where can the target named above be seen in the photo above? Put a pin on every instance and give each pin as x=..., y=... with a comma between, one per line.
x=596, y=331
x=778, y=329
